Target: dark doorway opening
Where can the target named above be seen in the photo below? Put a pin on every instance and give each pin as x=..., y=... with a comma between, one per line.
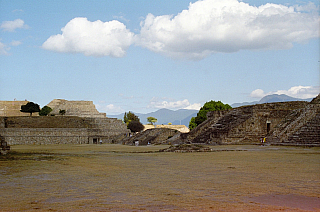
x=268, y=127
x=95, y=140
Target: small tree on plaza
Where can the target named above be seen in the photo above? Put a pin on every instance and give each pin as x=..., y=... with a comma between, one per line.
x=45, y=111
x=30, y=107
x=152, y=120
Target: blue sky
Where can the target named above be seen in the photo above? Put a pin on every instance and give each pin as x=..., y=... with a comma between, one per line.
x=145, y=55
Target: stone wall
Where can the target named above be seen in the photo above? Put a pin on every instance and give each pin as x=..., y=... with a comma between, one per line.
x=12, y=108
x=60, y=130
x=16, y=136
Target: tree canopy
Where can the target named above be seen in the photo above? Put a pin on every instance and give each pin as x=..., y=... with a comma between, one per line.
x=30, y=107
x=135, y=126
x=152, y=120
x=45, y=111
x=202, y=114
x=133, y=122
x=128, y=117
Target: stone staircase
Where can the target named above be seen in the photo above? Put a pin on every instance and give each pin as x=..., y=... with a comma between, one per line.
x=216, y=131
x=308, y=134
x=301, y=127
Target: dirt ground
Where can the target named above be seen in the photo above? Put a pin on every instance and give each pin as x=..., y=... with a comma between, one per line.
x=111, y=177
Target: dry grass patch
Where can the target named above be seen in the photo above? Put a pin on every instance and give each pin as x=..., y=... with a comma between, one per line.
x=128, y=178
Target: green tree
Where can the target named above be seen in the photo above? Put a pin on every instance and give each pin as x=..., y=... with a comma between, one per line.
x=62, y=112
x=45, y=111
x=152, y=120
x=192, y=123
x=30, y=107
x=208, y=106
x=128, y=117
x=135, y=126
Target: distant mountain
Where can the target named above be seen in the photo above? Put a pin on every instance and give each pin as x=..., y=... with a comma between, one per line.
x=164, y=116
x=270, y=99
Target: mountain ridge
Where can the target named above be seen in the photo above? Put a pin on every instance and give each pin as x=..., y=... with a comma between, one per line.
x=165, y=116
x=271, y=98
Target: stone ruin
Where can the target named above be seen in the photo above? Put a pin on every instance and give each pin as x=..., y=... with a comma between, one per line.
x=281, y=123
x=82, y=124
x=75, y=108
x=12, y=108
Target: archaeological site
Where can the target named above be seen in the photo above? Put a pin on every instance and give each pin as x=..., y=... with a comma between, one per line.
x=281, y=123
x=81, y=124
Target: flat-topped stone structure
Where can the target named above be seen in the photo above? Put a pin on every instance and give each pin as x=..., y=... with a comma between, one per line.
x=12, y=108
x=75, y=108
x=61, y=130
x=82, y=123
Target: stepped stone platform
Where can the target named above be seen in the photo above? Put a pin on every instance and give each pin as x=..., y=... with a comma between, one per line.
x=60, y=130
x=75, y=108
x=81, y=124
x=281, y=123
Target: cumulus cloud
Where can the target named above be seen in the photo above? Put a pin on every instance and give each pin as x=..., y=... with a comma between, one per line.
x=109, y=109
x=91, y=38
x=4, y=49
x=195, y=106
x=302, y=92
x=15, y=43
x=11, y=26
x=181, y=104
x=212, y=26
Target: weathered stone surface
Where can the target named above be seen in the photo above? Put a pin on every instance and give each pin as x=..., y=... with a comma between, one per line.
x=12, y=108
x=150, y=136
x=60, y=130
x=282, y=123
x=75, y=108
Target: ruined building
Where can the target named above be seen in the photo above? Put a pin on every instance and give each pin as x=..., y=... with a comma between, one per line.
x=12, y=108
x=286, y=123
x=82, y=123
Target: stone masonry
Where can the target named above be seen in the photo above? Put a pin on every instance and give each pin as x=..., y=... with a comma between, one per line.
x=81, y=124
x=75, y=108
x=12, y=108
x=287, y=123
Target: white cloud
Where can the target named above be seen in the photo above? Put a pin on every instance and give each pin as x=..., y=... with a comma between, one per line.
x=11, y=26
x=15, y=43
x=302, y=92
x=4, y=49
x=109, y=109
x=211, y=26
x=181, y=104
x=195, y=106
x=91, y=38
x=258, y=93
